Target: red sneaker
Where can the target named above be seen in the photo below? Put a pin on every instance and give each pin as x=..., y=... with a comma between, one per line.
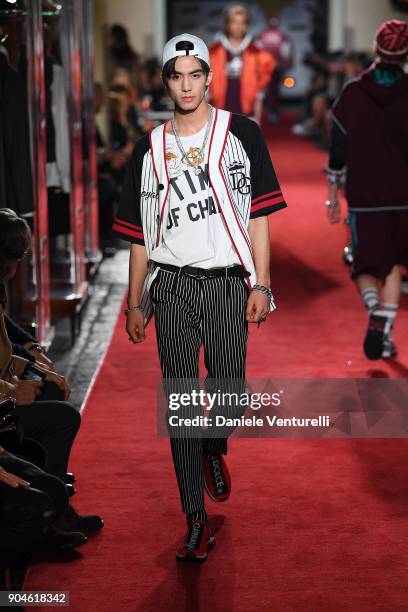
x=198, y=541
x=217, y=479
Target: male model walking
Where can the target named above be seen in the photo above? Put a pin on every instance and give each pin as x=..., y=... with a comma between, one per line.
x=194, y=206
x=370, y=140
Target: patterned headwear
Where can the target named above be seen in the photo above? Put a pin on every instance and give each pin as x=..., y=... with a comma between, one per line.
x=391, y=40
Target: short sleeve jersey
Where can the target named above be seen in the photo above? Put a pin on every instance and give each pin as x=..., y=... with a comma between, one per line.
x=246, y=164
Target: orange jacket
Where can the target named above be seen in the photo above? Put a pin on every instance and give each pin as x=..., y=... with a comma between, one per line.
x=257, y=69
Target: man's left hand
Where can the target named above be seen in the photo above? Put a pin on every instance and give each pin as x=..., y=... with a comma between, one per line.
x=257, y=307
x=58, y=379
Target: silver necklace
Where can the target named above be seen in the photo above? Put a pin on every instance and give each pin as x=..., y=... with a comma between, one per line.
x=198, y=156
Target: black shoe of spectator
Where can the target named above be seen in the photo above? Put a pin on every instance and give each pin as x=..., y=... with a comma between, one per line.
x=70, y=520
x=58, y=539
x=71, y=490
x=69, y=478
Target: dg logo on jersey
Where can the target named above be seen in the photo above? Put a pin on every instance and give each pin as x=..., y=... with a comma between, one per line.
x=240, y=182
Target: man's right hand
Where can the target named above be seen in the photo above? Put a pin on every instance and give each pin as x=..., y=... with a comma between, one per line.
x=27, y=391
x=135, y=326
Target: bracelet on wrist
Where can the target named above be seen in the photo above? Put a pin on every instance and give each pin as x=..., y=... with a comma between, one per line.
x=132, y=308
x=263, y=289
x=268, y=292
x=335, y=177
x=36, y=347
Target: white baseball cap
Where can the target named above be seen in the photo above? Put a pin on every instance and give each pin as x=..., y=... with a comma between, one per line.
x=185, y=44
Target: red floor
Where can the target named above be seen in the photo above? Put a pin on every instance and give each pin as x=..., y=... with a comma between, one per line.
x=312, y=525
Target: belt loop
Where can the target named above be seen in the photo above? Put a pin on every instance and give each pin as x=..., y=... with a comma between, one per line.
x=175, y=280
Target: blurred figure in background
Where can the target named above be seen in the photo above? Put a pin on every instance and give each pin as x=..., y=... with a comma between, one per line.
x=121, y=54
x=243, y=70
x=123, y=79
x=139, y=125
x=330, y=73
x=151, y=89
x=278, y=45
x=121, y=133
x=107, y=190
x=370, y=139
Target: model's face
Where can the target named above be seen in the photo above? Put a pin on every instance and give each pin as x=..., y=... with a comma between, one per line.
x=237, y=26
x=186, y=87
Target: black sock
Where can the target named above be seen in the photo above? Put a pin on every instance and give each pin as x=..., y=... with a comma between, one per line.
x=199, y=515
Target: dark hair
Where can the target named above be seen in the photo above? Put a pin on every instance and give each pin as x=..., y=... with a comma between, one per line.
x=121, y=49
x=15, y=239
x=358, y=57
x=169, y=68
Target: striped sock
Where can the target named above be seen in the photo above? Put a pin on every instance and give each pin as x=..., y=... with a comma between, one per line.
x=370, y=297
x=390, y=312
x=199, y=515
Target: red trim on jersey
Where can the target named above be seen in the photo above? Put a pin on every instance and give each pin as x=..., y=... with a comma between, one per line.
x=131, y=225
x=212, y=186
x=265, y=195
x=168, y=181
x=267, y=204
x=127, y=231
x=232, y=205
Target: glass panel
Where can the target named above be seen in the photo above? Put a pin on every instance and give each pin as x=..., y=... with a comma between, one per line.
x=36, y=98
x=64, y=157
x=92, y=254
x=23, y=166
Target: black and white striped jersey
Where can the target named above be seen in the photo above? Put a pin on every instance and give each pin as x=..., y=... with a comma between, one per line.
x=246, y=167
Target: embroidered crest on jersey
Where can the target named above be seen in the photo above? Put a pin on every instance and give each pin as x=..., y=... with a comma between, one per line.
x=240, y=182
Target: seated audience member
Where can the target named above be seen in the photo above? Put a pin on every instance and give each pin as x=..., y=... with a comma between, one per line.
x=30, y=499
x=52, y=423
x=23, y=343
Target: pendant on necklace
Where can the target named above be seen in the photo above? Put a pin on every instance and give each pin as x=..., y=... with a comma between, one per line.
x=198, y=170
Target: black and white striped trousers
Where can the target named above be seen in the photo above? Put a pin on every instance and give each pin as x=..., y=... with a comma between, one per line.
x=191, y=312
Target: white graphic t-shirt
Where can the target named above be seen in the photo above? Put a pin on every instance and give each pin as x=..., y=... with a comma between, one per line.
x=194, y=233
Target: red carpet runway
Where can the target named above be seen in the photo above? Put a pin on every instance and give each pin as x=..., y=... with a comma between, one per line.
x=311, y=525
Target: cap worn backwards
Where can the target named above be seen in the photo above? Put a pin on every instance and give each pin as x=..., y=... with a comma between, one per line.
x=185, y=44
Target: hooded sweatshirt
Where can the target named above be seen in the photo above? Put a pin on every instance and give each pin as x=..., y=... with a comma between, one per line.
x=371, y=114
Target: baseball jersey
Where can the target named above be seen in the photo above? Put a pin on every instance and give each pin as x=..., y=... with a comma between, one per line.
x=241, y=176
x=194, y=234
x=246, y=167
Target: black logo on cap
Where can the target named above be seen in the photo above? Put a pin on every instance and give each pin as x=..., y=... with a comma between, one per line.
x=185, y=45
